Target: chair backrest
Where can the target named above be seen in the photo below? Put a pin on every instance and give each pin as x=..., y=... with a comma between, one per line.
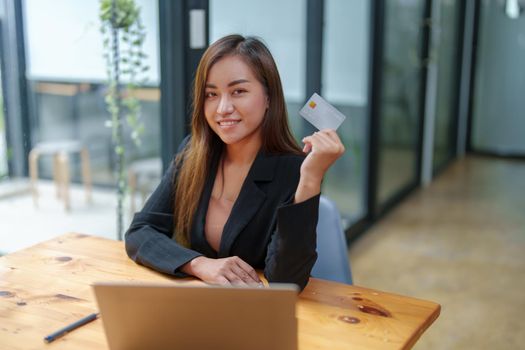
x=332, y=255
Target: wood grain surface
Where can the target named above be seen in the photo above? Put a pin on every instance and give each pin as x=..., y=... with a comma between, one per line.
x=47, y=286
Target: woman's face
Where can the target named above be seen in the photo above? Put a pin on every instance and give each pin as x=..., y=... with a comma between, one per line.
x=235, y=101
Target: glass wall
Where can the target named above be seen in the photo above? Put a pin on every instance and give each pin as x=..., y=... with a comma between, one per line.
x=67, y=83
x=345, y=85
x=400, y=97
x=3, y=144
x=498, y=113
x=445, y=29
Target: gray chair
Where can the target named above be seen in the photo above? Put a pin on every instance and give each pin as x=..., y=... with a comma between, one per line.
x=332, y=255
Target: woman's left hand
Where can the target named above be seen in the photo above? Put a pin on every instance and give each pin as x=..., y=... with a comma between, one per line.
x=324, y=148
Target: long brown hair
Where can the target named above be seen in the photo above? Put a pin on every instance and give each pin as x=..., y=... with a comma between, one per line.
x=195, y=160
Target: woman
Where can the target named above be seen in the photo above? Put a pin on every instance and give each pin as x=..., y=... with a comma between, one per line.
x=240, y=195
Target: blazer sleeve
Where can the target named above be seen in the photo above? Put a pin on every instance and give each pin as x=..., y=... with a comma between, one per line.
x=292, y=250
x=148, y=240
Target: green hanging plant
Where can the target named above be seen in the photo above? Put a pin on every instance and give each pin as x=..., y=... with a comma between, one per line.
x=126, y=15
x=123, y=38
x=128, y=61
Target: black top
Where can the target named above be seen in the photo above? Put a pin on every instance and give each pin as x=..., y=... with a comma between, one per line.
x=264, y=228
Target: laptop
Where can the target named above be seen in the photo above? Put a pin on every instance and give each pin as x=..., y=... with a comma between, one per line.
x=178, y=316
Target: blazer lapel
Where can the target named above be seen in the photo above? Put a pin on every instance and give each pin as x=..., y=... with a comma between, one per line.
x=250, y=199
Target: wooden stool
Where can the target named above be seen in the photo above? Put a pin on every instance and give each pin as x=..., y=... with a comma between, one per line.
x=60, y=151
x=141, y=173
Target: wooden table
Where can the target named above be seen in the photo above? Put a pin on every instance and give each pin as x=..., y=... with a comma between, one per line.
x=47, y=286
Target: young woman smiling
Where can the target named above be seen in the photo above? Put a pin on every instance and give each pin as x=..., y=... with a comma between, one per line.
x=240, y=194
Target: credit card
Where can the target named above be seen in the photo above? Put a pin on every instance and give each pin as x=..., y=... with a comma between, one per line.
x=321, y=114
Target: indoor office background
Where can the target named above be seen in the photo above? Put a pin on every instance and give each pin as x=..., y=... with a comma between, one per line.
x=432, y=91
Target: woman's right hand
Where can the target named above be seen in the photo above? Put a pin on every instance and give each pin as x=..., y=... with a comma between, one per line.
x=232, y=270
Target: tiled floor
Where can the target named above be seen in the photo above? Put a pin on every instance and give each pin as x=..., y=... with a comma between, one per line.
x=459, y=242
x=23, y=225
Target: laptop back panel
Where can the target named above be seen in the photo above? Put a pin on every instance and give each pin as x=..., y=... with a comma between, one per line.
x=146, y=316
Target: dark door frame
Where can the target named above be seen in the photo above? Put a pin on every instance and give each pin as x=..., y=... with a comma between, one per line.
x=16, y=108
x=456, y=86
x=178, y=63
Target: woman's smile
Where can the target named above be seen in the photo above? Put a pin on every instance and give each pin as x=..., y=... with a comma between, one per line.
x=228, y=123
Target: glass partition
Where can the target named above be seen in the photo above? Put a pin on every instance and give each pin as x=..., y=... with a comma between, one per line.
x=67, y=84
x=445, y=29
x=3, y=143
x=345, y=85
x=400, y=97
x=498, y=110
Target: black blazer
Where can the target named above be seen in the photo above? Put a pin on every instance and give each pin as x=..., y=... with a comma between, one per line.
x=265, y=228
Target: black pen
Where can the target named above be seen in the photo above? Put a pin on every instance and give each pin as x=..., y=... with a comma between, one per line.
x=71, y=327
